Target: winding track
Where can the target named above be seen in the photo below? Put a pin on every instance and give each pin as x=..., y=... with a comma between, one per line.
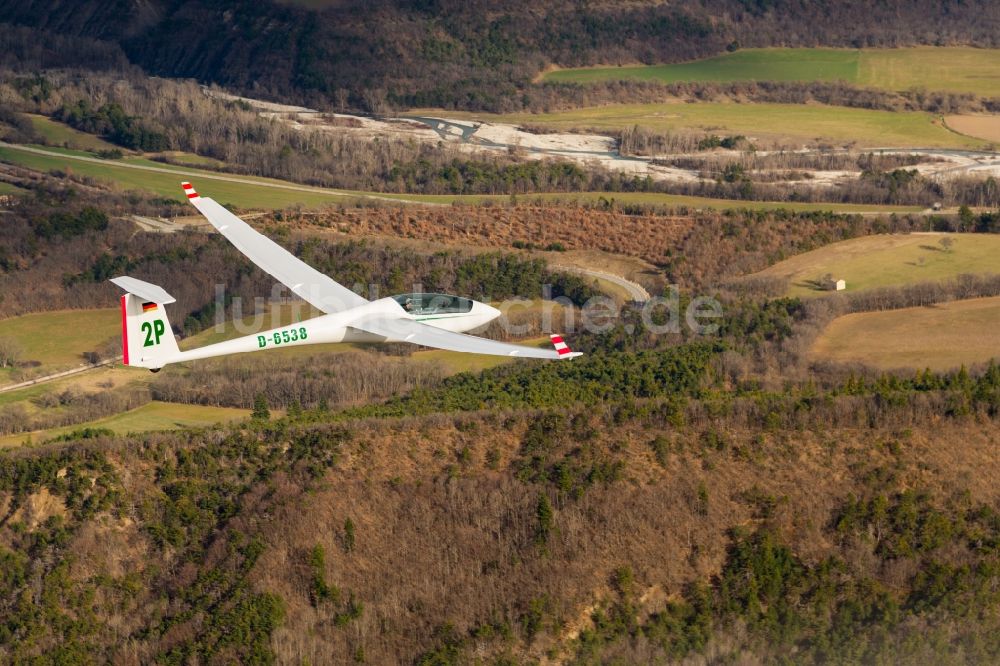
x=58, y=375
x=635, y=291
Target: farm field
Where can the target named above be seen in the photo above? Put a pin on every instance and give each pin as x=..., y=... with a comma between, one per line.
x=799, y=122
x=58, y=339
x=151, y=416
x=889, y=260
x=940, y=337
x=952, y=69
x=980, y=126
x=164, y=180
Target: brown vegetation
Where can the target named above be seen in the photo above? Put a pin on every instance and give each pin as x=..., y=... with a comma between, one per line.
x=647, y=236
x=336, y=380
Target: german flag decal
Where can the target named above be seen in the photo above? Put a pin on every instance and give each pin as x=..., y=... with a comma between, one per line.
x=148, y=307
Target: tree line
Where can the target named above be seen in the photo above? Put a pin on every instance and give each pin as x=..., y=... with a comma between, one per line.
x=157, y=114
x=477, y=56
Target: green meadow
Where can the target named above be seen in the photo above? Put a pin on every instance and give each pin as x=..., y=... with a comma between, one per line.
x=60, y=134
x=59, y=339
x=164, y=180
x=952, y=69
x=7, y=188
x=841, y=126
x=253, y=192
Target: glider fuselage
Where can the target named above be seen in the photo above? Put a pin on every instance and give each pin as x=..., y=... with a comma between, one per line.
x=330, y=328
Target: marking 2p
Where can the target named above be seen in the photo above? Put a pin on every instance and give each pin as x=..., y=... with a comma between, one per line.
x=154, y=330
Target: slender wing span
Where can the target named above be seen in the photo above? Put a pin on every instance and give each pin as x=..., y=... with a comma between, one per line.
x=406, y=330
x=304, y=280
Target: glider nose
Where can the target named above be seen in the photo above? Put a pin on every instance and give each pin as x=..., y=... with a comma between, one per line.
x=489, y=312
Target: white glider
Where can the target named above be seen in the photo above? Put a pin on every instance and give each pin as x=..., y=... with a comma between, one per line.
x=431, y=320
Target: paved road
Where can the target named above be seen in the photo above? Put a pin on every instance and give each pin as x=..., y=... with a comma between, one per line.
x=58, y=375
x=635, y=291
x=202, y=175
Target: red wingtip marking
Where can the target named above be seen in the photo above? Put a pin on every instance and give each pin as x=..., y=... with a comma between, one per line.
x=561, y=347
x=124, y=333
x=189, y=190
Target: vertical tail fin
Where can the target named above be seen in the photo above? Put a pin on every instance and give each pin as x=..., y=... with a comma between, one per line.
x=147, y=339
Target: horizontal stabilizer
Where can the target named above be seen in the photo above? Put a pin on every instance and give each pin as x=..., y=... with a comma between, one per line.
x=144, y=290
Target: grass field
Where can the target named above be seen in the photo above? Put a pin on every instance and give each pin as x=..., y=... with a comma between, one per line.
x=108, y=376
x=840, y=126
x=59, y=134
x=7, y=188
x=940, y=337
x=953, y=69
x=191, y=159
x=151, y=416
x=890, y=260
x=165, y=181
x=58, y=339
x=251, y=195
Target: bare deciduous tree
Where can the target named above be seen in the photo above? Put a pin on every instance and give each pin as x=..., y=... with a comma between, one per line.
x=10, y=352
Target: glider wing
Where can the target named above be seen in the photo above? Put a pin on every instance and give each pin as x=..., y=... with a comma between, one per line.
x=406, y=330
x=305, y=281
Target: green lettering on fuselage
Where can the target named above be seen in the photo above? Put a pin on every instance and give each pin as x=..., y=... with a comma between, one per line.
x=282, y=337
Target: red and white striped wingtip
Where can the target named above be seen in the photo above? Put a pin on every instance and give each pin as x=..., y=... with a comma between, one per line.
x=560, y=346
x=189, y=190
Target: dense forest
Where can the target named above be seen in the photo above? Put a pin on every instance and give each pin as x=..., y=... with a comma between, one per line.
x=477, y=55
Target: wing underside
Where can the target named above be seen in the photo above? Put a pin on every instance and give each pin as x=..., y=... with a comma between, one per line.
x=305, y=281
x=406, y=330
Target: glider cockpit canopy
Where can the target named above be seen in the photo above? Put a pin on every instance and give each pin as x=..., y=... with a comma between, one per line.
x=433, y=304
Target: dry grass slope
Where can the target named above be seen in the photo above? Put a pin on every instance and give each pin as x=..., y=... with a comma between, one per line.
x=58, y=339
x=890, y=260
x=150, y=417
x=941, y=337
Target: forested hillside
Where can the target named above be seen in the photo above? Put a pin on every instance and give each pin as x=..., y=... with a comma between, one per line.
x=664, y=497
x=853, y=522
x=445, y=53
